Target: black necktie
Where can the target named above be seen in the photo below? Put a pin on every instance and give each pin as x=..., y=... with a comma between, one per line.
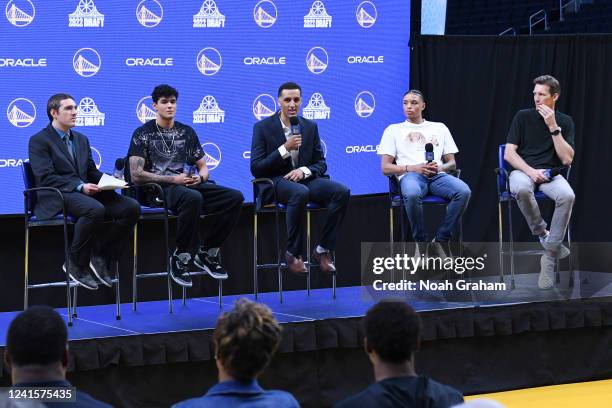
x=69, y=145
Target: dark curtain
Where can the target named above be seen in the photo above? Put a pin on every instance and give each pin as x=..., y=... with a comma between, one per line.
x=475, y=85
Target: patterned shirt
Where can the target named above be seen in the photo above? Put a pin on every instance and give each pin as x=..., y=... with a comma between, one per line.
x=166, y=150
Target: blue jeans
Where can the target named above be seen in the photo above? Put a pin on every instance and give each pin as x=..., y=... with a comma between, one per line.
x=415, y=186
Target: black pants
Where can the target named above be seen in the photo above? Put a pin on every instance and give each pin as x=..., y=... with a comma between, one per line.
x=207, y=198
x=91, y=232
x=331, y=194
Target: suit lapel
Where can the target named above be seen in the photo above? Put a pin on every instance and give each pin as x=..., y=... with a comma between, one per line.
x=302, y=149
x=59, y=143
x=278, y=129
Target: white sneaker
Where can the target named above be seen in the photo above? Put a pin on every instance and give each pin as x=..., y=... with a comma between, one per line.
x=546, y=279
x=561, y=250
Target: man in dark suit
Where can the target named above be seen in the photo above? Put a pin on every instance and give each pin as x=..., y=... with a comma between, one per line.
x=295, y=162
x=61, y=158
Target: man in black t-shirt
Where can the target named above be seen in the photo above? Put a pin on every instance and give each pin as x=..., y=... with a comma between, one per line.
x=541, y=139
x=392, y=337
x=159, y=151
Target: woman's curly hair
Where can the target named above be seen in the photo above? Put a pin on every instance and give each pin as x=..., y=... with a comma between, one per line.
x=246, y=339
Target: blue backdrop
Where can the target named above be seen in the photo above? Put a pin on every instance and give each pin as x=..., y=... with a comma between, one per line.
x=226, y=58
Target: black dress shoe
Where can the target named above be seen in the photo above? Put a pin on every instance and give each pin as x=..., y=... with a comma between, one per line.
x=81, y=275
x=101, y=269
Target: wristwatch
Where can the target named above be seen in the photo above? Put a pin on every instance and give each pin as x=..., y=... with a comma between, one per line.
x=556, y=132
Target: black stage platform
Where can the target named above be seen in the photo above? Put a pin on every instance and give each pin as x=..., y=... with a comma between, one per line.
x=150, y=358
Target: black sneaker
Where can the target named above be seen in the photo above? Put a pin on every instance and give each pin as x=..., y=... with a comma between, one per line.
x=81, y=275
x=210, y=264
x=101, y=269
x=179, y=271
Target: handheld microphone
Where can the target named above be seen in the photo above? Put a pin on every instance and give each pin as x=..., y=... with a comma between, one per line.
x=120, y=163
x=555, y=171
x=296, y=129
x=429, y=154
x=119, y=167
x=189, y=167
x=295, y=125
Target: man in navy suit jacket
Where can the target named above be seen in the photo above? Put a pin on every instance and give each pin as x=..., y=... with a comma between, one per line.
x=296, y=164
x=61, y=158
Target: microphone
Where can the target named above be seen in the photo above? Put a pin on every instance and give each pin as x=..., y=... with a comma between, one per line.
x=555, y=171
x=119, y=168
x=189, y=167
x=295, y=125
x=296, y=129
x=429, y=154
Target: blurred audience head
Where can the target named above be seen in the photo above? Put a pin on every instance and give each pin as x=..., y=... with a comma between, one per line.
x=36, y=344
x=245, y=339
x=392, y=331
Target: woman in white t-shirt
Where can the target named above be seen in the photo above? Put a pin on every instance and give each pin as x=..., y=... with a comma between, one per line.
x=403, y=154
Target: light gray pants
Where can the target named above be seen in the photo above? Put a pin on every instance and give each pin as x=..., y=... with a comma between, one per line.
x=558, y=189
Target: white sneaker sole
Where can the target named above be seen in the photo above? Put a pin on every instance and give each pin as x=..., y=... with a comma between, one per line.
x=209, y=272
x=77, y=282
x=99, y=277
x=177, y=280
x=545, y=280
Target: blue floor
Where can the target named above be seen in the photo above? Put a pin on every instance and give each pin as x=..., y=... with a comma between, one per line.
x=201, y=313
x=298, y=306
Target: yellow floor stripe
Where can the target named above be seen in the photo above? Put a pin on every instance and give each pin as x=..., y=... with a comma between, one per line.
x=595, y=394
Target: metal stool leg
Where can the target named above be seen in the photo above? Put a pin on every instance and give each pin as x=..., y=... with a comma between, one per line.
x=184, y=295
x=167, y=254
x=511, y=236
x=135, y=269
x=255, y=288
x=278, y=256
x=391, y=227
x=308, y=257
x=334, y=281
x=117, y=291
x=74, y=301
x=67, y=258
x=500, y=222
x=220, y=293
x=26, y=268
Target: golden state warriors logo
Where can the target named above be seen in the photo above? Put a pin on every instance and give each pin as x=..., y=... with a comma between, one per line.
x=213, y=155
x=20, y=13
x=366, y=14
x=209, y=61
x=86, y=15
x=365, y=104
x=316, y=108
x=86, y=62
x=317, y=60
x=96, y=156
x=21, y=112
x=149, y=13
x=209, y=16
x=264, y=106
x=144, y=109
x=317, y=17
x=88, y=113
x=209, y=111
x=265, y=14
